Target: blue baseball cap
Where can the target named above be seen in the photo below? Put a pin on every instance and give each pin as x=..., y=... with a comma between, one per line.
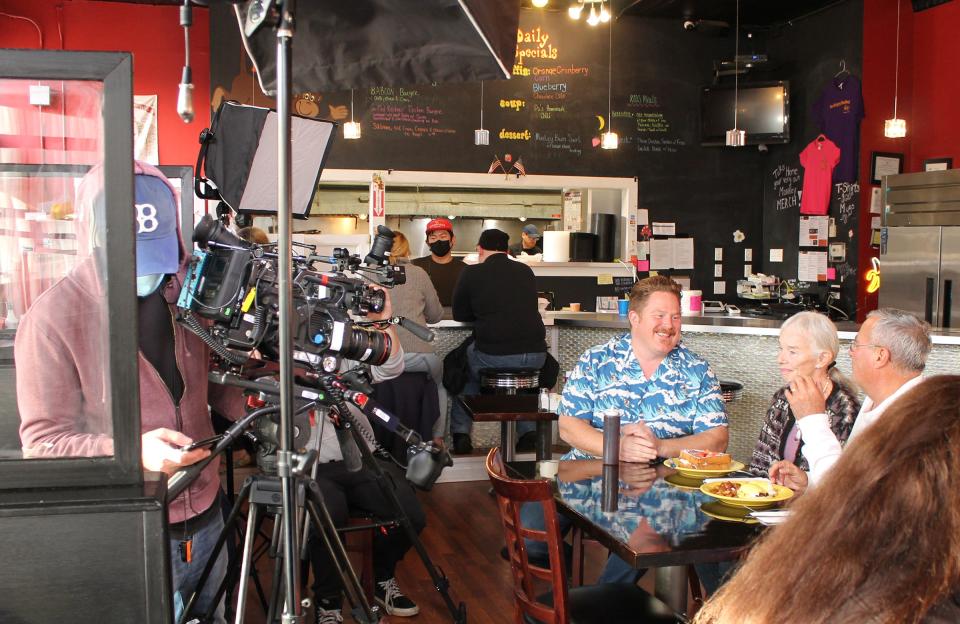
x=158, y=244
x=531, y=230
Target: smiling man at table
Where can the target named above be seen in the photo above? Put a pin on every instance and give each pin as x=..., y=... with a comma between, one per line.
x=667, y=396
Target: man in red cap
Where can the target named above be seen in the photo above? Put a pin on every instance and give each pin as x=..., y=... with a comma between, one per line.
x=441, y=265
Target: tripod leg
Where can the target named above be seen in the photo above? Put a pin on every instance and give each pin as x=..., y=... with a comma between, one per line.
x=247, y=559
x=327, y=532
x=275, y=591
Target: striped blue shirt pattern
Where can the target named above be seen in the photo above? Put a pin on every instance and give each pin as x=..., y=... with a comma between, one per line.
x=681, y=398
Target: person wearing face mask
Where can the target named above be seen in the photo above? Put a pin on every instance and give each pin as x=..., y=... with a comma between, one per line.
x=61, y=382
x=441, y=265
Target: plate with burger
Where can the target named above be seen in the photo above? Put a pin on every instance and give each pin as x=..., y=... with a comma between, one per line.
x=755, y=493
x=698, y=464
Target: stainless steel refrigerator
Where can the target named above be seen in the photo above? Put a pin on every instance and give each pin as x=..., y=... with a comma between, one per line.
x=920, y=245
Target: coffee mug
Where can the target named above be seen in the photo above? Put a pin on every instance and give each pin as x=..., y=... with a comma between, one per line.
x=574, y=307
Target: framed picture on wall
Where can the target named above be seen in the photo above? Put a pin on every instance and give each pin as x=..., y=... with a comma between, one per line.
x=937, y=164
x=884, y=163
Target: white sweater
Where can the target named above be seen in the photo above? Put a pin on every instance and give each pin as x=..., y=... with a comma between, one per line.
x=821, y=447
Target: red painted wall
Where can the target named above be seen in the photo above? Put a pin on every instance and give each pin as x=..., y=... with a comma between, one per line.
x=151, y=33
x=928, y=98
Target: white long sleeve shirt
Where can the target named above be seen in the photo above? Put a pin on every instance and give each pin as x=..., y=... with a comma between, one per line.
x=821, y=447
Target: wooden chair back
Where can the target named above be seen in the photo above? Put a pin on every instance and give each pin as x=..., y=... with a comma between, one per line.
x=528, y=579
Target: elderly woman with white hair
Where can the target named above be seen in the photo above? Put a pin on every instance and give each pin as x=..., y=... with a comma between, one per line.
x=808, y=348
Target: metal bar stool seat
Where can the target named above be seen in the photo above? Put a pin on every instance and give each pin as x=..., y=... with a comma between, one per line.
x=510, y=381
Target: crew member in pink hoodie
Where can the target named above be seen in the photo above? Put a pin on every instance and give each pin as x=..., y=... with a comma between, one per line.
x=61, y=388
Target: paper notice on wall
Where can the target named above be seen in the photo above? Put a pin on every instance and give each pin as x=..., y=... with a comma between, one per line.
x=812, y=266
x=664, y=229
x=776, y=255
x=671, y=253
x=145, y=144
x=718, y=254
x=813, y=231
x=719, y=288
x=572, y=210
x=643, y=216
x=876, y=200
x=718, y=270
x=874, y=223
x=643, y=248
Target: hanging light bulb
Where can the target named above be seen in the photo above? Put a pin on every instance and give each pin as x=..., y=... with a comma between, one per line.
x=351, y=129
x=604, y=13
x=735, y=136
x=593, y=19
x=539, y=3
x=481, y=136
x=609, y=139
x=895, y=128
x=575, y=10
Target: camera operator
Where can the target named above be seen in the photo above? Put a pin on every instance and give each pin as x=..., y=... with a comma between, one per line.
x=61, y=388
x=345, y=491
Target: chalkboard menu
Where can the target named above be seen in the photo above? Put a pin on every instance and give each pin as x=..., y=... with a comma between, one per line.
x=549, y=115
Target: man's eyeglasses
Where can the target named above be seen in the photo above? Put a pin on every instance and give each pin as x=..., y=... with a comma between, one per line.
x=855, y=345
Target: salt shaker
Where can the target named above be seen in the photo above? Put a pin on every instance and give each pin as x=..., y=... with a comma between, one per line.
x=611, y=437
x=543, y=403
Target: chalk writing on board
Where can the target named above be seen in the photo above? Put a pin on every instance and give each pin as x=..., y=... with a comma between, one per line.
x=848, y=195
x=664, y=144
x=560, y=143
x=785, y=187
x=652, y=122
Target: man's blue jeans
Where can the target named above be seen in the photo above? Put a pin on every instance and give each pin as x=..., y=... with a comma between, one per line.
x=616, y=571
x=460, y=421
x=185, y=575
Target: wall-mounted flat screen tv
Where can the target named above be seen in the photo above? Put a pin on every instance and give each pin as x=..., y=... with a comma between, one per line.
x=763, y=111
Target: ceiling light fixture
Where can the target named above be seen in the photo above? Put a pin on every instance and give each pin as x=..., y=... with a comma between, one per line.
x=593, y=18
x=895, y=128
x=481, y=136
x=609, y=139
x=575, y=10
x=351, y=129
x=539, y=3
x=735, y=136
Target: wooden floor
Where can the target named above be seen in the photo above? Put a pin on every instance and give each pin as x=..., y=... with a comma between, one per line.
x=464, y=538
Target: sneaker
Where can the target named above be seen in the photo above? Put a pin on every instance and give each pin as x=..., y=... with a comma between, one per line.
x=327, y=616
x=389, y=595
x=462, y=444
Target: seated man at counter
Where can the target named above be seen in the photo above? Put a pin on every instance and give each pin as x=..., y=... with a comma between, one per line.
x=443, y=268
x=667, y=396
x=529, y=242
x=888, y=356
x=499, y=296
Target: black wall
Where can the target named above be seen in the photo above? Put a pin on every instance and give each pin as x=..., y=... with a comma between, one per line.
x=555, y=111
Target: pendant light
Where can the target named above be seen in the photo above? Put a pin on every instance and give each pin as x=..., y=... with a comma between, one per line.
x=895, y=128
x=609, y=139
x=481, y=136
x=351, y=129
x=735, y=136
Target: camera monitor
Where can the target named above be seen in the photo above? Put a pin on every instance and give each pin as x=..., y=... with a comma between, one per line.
x=239, y=155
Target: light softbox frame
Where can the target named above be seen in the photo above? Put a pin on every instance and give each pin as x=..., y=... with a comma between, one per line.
x=369, y=43
x=240, y=158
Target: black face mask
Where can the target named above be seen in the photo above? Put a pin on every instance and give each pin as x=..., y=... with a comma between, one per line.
x=440, y=247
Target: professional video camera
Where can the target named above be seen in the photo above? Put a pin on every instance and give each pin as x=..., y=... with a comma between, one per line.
x=234, y=284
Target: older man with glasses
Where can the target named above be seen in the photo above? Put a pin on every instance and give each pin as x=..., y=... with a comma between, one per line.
x=888, y=356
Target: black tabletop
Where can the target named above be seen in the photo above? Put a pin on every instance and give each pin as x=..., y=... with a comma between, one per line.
x=655, y=523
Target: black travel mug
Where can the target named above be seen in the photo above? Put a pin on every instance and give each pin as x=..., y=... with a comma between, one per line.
x=611, y=437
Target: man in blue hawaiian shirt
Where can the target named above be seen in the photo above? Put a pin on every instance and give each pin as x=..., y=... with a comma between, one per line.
x=667, y=396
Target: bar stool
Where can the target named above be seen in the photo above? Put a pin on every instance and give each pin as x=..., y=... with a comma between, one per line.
x=509, y=381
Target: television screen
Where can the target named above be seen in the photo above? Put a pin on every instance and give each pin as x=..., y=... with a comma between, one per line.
x=763, y=112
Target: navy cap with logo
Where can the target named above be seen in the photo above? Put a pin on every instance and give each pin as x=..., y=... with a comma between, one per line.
x=158, y=245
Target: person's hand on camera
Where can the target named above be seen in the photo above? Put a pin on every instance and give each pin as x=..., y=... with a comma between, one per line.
x=387, y=311
x=161, y=451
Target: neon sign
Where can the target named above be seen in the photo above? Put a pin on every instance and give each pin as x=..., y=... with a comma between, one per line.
x=873, y=276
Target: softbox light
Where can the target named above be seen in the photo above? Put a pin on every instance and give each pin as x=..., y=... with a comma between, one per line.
x=368, y=43
x=240, y=158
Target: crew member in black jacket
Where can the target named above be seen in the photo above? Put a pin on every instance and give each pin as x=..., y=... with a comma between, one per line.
x=499, y=296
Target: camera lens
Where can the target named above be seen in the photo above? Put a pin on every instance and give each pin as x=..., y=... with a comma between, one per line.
x=209, y=229
x=380, y=249
x=367, y=345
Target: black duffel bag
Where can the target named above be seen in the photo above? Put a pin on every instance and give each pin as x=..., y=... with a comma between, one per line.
x=456, y=369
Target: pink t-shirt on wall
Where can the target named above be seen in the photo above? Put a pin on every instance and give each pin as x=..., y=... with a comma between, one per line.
x=818, y=160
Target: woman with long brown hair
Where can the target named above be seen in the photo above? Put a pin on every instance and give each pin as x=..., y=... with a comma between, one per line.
x=878, y=541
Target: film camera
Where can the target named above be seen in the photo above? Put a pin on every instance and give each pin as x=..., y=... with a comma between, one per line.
x=234, y=284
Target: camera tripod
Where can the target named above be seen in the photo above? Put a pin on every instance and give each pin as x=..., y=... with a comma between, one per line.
x=263, y=492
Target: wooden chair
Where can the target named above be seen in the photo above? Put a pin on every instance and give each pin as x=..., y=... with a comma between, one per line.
x=609, y=604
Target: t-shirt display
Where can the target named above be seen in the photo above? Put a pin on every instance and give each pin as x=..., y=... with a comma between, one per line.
x=838, y=112
x=818, y=160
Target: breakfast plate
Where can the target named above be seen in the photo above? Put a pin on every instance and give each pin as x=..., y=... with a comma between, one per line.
x=780, y=493
x=721, y=511
x=682, y=482
x=703, y=473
